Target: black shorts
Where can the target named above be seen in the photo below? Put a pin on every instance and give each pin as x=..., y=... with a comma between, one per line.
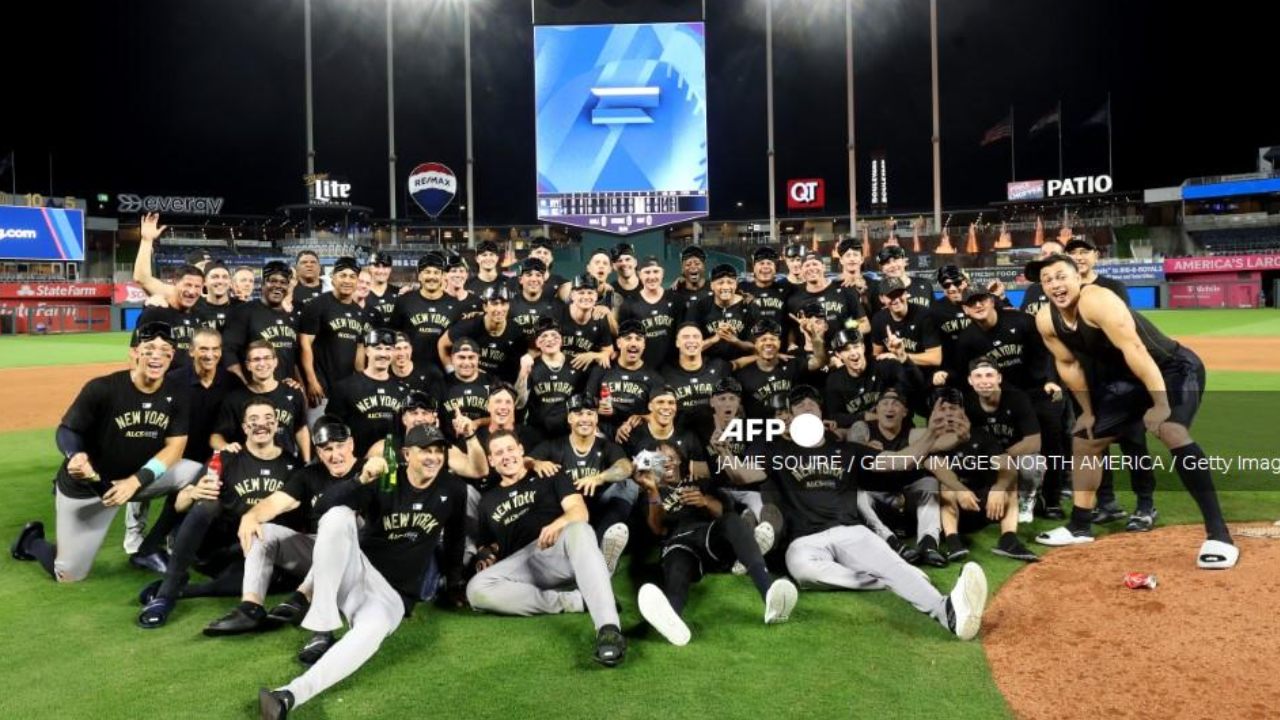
x=704, y=541
x=1119, y=404
x=971, y=521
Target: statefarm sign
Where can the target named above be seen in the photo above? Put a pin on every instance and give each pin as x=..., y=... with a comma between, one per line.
x=1221, y=264
x=56, y=291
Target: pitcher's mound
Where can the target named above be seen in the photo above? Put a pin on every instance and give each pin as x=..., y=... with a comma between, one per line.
x=1066, y=639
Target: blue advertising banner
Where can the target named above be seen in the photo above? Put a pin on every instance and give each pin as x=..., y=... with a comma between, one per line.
x=41, y=233
x=1146, y=271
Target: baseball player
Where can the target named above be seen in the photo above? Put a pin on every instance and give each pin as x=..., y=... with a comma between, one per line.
x=1034, y=299
x=423, y=377
x=243, y=280
x=178, y=312
x=290, y=404
x=534, y=298
x=545, y=384
x=692, y=283
x=793, y=255
x=644, y=433
x=269, y=546
x=699, y=537
x=588, y=337
x=1139, y=374
x=540, y=250
x=212, y=506
x=535, y=538
x=766, y=293
x=626, y=283
x=214, y=308
x=381, y=300
x=852, y=390
x=1006, y=414
x=500, y=341
x=487, y=276
x=767, y=373
x=902, y=321
x=119, y=438
x=829, y=549
x=467, y=304
x=655, y=308
x=427, y=314
x=840, y=305
x=849, y=253
x=307, y=285
x=893, y=265
x=264, y=319
x=369, y=401
x=331, y=328
x=693, y=374
x=375, y=580
x=627, y=378
x=722, y=316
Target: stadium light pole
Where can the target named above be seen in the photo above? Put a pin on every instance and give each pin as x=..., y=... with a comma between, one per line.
x=471, y=162
x=391, y=123
x=848, y=69
x=937, y=124
x=768, y=61
x=311, y=139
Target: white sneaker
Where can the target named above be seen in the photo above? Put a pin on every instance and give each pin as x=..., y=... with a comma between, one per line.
x=764, y=537
x=738, y=568
x=1061, y=536
x=657, y=611
x=1217, y=555
x=968, y=599
x=614, y=542
x=1026, y=509
x=779, y=602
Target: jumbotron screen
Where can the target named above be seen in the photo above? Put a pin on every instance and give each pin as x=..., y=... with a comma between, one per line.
x=621, y=124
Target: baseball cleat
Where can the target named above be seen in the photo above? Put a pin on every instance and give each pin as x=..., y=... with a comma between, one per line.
x=156, y=613
x=246, y=617
x=967, y=601
x=1217, y=555
x=611, y=646
x=157, y=562
x=1016, y=550
x=779, y=602
x=32, y=530
x=1142, y=521
x=1061, y=536
x=1108, y=514
x=657, y=611
x=274, y=704
x=612, y=544
x=290, y=611
x=316, y=647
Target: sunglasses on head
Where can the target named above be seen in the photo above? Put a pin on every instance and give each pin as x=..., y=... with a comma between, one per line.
x=155, y=329
x=946, y=284
x=380, y=337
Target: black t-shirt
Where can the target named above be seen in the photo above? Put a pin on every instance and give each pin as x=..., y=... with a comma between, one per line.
x=973, y=460
x=424, y=321
x=472, y=396
x=628, y=390
x=380, y=307
x=848, y=398
x=247, y=480
x=814, y=487
x=621, y=294
x=1011, y=421
x=599, y=457
x=499, y=354
x=642, y=438
x=709, y=316
x=689, y=296
x=317, y=491
x=425, y=378
x=950, y=321
x=183, y=326
x=526, y=313
x=694, y=387
x=215, y=316
x=468, y=306
x=769, y=301
x=475, y=285
x=258, y=321
x=590, y=336
x=659, y=320
x=1016, y=346
x=291, y=414
x=1033, y=299
x=839, y=303
x=549, y=389
x=514, y=516
x=369, y=407
x=676, y=514
x=205, y=406
x=404, y=526
x=916, y=329
x=759, y=385
x=122, y=428
x=304, y=294
x=338, y=329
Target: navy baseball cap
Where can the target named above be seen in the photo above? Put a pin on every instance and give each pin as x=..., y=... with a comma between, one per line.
x=496, y=293
x=432, y=259
x=845, y=338
x=630, y=327
x=533, y=265
x=620, y=250
x=424, y=436
x=487, y=246
x=418, y=400
x=890, y=252
x=764, y=253
x=346, y=263
x=381, y=259
x=276, y=267
x=580, y=401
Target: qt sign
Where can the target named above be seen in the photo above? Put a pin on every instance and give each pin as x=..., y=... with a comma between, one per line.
x=806, y=194
x=805, y=429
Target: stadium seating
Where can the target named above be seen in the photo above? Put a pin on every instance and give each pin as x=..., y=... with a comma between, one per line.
x=1239, y=241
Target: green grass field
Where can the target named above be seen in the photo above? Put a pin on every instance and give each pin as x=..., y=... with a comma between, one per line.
x=73, y=651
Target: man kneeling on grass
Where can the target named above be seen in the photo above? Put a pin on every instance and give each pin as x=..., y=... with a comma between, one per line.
x=698, y=537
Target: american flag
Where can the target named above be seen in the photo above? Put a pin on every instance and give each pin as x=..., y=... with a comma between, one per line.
x=1000, y=131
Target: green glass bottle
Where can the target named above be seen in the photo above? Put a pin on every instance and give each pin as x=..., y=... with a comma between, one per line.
x=388, y=482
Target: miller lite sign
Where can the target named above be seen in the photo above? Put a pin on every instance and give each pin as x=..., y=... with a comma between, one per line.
x=806, y=194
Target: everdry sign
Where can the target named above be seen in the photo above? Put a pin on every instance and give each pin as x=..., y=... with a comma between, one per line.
x=169, y=204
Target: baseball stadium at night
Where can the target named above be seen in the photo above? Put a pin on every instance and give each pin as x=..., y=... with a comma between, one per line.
x=608, y=358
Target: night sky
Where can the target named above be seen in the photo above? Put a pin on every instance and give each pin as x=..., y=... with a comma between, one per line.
x=205, y=97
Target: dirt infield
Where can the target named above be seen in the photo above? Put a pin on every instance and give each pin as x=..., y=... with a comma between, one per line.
x=36, y=397
x=1066, y=638
x=1248, y=354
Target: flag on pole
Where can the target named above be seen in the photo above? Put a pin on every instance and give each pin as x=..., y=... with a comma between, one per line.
x=999, y=131
x=1052, y=118
x=1102, y=117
